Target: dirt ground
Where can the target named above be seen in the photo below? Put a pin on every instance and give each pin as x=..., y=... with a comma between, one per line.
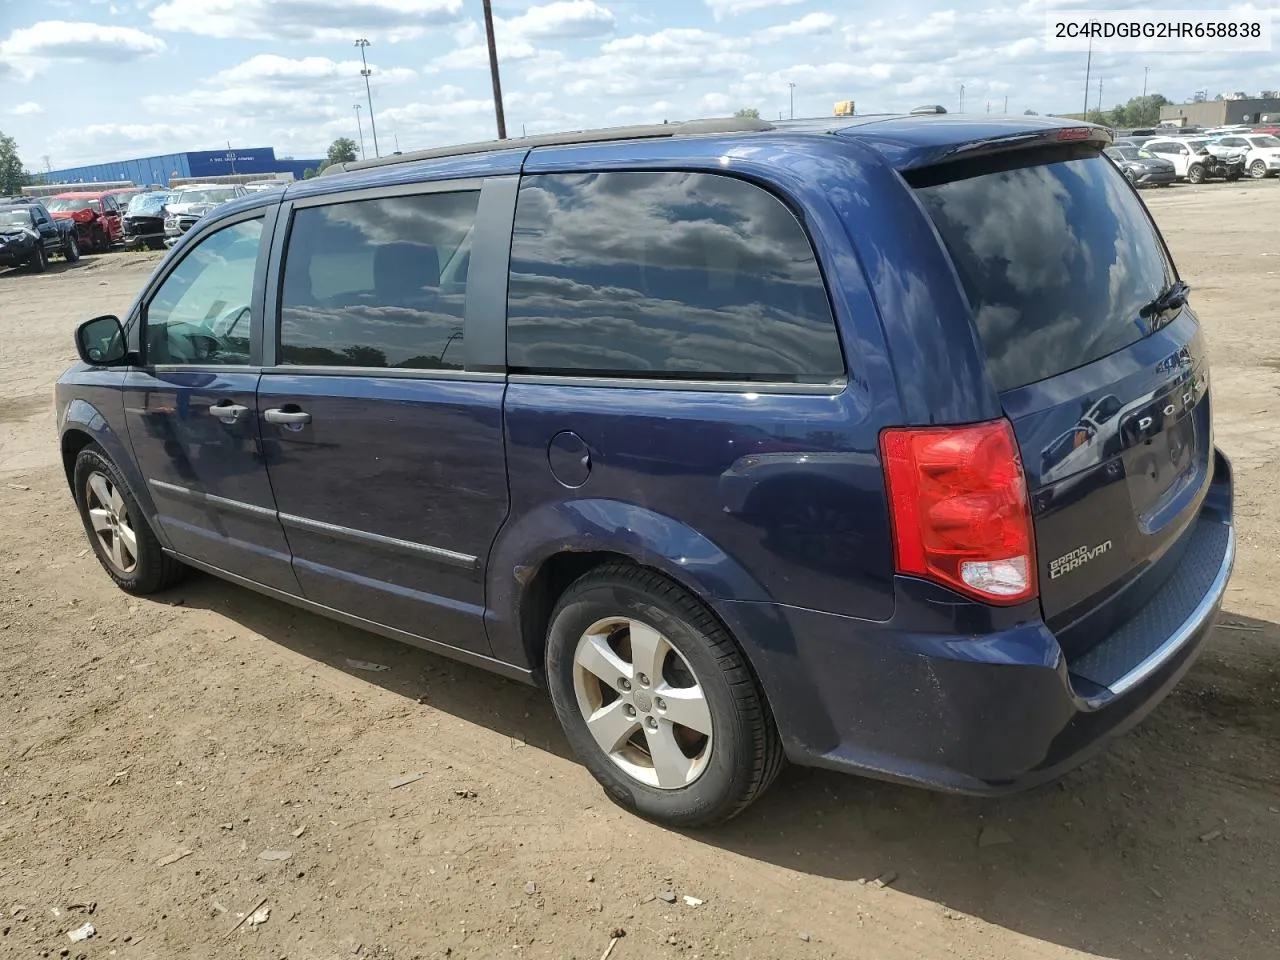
x=217, y=725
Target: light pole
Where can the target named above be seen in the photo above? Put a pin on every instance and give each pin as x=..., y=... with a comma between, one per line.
x=1145, y=72
x=1099, y=94
x=792, y=88
x=365, y=72
x=499, y=113
x=961, y=110
x=1006, y=104
x=360, y=127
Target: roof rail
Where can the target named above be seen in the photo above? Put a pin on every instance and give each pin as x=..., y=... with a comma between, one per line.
x=637, y=132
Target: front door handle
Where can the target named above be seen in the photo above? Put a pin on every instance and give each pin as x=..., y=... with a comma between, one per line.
x=228, y=412
x=277, y=415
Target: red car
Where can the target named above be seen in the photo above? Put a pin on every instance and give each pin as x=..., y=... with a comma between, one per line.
x=98, y=218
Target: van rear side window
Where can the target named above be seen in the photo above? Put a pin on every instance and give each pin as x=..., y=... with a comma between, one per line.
x=1057, y=260
x=673, y=275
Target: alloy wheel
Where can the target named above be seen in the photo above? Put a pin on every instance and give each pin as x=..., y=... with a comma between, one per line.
x=111, y=524
x=642, y=703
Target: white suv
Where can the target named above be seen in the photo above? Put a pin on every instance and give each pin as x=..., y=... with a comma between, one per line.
x=1185, y=154
x=1261, y=152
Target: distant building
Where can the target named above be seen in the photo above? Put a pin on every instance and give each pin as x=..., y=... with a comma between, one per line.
x=1220, y=113
x=194, y=163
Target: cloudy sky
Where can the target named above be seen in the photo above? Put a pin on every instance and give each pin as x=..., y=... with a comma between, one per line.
x=89, y=80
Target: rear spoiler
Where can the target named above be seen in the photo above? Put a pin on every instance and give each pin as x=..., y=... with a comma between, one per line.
x=1027, y=148
x=1083, y=135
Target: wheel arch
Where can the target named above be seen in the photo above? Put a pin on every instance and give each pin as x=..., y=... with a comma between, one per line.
x=84, y=424
x=536, y=558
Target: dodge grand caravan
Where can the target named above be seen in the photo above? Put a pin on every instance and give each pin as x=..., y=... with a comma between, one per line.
x=881, y=444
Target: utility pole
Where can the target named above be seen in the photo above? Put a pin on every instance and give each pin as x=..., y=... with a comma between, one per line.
x=1006, y=104
x=792, y=88
x=1099, y=94
x=1088, y=63
x=1145, y=72
x=493, y=71
x=961, y=98
x=360, y=127
x=366, y=72
x=988, y=108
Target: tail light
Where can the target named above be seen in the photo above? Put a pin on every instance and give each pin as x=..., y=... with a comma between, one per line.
x=960, y=511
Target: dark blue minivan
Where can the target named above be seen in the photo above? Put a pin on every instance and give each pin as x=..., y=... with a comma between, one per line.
x=879, y=444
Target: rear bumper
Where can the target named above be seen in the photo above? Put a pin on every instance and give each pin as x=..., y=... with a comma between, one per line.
x=992, y=713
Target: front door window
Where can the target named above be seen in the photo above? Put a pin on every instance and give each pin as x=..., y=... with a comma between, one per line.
x=201, y=313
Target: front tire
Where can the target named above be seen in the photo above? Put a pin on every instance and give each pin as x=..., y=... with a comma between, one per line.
x=71, y=249
x=657, y=700
x=39, y=258
x=1195, y=173
x=117, y=530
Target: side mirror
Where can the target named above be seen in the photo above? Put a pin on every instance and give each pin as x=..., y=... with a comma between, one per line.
x=101, y=341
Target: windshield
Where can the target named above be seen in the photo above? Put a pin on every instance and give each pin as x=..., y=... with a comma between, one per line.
x=1125, y=153
x=145, y=203
x=212, y=195
x=1265, y=141
x=70, y=204
x=1057, y=259
x=14, y=217
x=1197, y=145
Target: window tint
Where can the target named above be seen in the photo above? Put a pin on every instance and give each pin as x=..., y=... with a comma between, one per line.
x=684, y=275
x=378, y=283
x=200, y=314
x=1058, y=261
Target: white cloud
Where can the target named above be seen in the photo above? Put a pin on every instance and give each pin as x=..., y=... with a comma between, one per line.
x=722, y=8
x=811, y=24
x=662, y=64
x=476, y=56
x=28, y=109
x=29, y=50
x=304, y=72
x=269, y=86
x=564, y=19
x=515, y=37
x=325, y=20
x=650, y=113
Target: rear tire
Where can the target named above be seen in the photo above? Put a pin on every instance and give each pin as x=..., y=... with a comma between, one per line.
x=71, y=248
x=118, y=530
x=1195, y=173
x=657, y=765
x=1258, y=170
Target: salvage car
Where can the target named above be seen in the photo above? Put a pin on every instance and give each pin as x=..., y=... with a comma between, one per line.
x=1197, y=159
x=1261, y=152
x=190, y=203
x=29, y=235
x=144, y=220
x=788, y=503
x=98, y=218
x=1141, y=167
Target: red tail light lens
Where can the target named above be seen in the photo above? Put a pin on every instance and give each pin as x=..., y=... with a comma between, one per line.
x=959, y=507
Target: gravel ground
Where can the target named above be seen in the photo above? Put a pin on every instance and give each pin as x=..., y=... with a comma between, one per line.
x=154, y=750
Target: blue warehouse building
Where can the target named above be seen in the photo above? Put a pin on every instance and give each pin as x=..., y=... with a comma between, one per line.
x=193, y=163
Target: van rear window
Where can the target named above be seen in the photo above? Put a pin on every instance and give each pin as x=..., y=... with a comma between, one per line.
x=1057, y=260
